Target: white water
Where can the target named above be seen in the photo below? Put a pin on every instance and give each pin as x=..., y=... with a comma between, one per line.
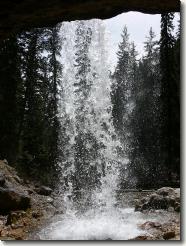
x=114, y=224
x=94, y=215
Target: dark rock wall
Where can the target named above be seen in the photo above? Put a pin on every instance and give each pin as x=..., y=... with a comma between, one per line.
x=23, y=14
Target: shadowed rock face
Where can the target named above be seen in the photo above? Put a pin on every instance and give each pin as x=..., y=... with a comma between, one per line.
x=11, y=199
x=23, y=14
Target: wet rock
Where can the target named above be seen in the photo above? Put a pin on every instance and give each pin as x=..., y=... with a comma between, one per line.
x=149, y=224
x=165, y=191
x=168, y=235
x=10, y=199
x=164, y=198
x=152, y=197
x=159, y=203
x=44, y=190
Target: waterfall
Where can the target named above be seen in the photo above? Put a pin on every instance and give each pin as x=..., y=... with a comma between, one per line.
x=90, y=120
x=91, y=149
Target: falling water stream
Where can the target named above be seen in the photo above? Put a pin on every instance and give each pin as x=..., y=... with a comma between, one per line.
x=89, y=183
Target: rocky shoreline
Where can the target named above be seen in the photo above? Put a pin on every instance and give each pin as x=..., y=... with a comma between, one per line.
x=23, y=205
x=160, y=231
x=163, y=199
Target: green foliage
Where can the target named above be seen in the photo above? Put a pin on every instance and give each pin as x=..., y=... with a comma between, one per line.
x=29, y=84
x=10, y=80
x=170, y=98
x=150, y=131
x=123, y=76
x=145, y=119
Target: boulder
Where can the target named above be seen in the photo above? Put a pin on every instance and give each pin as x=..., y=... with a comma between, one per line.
x=164, y=198
x=152, y=197
x=158, y=202
x=165, y=191
x=11, y=199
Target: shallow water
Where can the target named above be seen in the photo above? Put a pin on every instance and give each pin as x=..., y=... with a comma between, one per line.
x=118, y=224
x=113, y=224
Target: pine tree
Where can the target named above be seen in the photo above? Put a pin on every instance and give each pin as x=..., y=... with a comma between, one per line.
x=38, y=129
x=53, y=47
x=120, y=88
x=32, y=121
x=167, y=42
x=145, y=124
x=124, y=89
x=176, y=105
x=10, y=80
x=30, y=74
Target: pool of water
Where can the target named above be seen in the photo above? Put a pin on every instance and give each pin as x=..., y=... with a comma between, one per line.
x=119, y=222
